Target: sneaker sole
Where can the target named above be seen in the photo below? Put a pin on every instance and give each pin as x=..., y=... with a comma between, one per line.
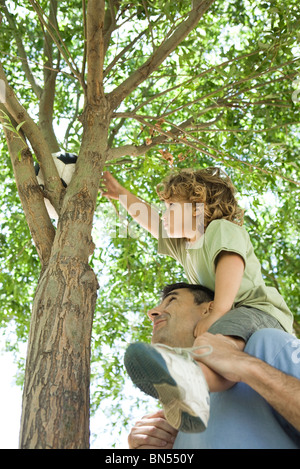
x=149, y=372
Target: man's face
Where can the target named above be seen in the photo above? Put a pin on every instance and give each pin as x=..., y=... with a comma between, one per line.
x=175, y=318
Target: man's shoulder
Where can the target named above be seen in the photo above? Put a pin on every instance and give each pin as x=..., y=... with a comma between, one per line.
x=277, y=348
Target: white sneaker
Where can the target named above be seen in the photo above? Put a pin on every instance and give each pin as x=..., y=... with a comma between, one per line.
x=172, y=376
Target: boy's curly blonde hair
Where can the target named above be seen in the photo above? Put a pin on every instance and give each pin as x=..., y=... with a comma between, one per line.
x=210, y=186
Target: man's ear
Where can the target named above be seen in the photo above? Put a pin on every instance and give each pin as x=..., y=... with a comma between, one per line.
x=208, y=308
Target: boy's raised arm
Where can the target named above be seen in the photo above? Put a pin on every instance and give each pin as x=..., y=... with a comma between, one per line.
x=143, y=213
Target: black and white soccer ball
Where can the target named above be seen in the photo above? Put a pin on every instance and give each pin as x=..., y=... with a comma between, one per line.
x=65, y=164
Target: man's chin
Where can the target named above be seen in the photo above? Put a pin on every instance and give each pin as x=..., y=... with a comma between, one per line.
x=163, y=341
x=158, y=340
x=170, y=343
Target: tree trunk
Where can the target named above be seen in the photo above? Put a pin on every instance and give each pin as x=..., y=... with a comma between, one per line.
x=56, y=390
x=55, y=411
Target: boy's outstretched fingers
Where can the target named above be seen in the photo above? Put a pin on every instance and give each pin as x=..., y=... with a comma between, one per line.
x=109, y=186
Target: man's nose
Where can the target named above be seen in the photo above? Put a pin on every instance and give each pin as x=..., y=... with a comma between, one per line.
x=154, y=312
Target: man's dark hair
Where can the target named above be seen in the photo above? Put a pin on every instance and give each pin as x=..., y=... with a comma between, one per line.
x=201, y=294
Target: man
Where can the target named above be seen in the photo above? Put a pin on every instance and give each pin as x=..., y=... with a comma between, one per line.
x=261, y=411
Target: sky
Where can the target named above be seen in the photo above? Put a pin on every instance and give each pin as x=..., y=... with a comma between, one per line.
x=10, y=403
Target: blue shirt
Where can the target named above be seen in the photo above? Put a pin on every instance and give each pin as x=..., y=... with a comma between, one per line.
x=240, y=418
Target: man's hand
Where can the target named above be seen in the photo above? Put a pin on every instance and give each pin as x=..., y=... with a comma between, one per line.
x=152, y=432
x=280, y=390
x=226, y=358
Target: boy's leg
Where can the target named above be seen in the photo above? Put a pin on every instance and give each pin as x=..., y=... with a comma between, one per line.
x=181, y=384
x=172, y=376
x=237, y=326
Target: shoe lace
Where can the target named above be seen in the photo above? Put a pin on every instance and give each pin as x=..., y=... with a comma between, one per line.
x=188, y=352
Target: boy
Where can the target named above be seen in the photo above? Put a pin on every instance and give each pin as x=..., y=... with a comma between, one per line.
x=215, y=251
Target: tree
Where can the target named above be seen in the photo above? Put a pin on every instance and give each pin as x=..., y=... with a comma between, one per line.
x=130, y=78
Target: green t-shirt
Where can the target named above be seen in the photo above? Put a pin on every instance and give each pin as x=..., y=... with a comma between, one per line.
x=198, y=260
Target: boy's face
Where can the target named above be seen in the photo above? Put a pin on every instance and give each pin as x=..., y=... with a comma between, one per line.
x=182, y=219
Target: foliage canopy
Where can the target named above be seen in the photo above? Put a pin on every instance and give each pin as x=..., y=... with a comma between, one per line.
x=223, y=96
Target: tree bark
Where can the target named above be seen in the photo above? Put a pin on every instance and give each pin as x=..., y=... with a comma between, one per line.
x=55, y=409
x=31, y=196
x=38, y=143
x=56, y=390
x=47, y=96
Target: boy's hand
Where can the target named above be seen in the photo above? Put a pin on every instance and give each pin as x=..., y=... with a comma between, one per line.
x=110, y=187
x=143, y=213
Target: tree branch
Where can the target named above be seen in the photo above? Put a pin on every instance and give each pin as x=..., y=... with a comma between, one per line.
x=31, y=196
x=220, y=102
x=84, y=40
x=54, y=187
x=179, y=135
x=21, y=50
x=96, y=115
x=165, y=137
x=123, y=52
x=160, y=54
x=110, y=21
x=48, y=94
x=95, y=50
x=54, y=33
